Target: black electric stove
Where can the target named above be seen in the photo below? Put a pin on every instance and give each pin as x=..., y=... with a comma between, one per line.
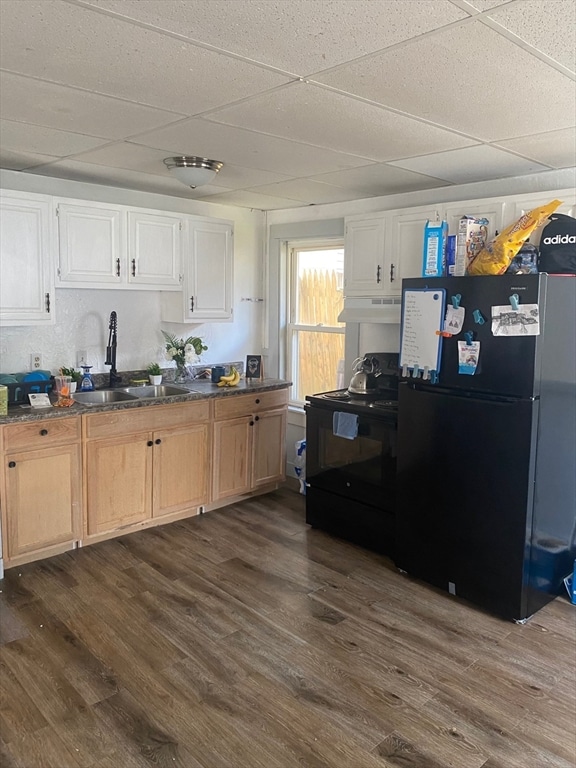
x=351, y=481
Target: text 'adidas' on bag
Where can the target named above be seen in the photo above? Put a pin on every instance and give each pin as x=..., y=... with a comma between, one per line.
x=558, y=246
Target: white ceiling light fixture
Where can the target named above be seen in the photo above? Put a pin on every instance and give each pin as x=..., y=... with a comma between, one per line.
x=193, y=171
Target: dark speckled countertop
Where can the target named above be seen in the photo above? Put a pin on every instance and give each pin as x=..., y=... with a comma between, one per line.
x=199, y=390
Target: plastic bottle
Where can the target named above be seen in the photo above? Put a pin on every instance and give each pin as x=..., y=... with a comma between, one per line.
x=87, y=384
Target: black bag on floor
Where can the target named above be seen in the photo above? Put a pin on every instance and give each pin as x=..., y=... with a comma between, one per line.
x=558, y=246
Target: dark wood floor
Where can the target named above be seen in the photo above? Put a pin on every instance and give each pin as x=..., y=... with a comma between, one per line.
x=243, y=639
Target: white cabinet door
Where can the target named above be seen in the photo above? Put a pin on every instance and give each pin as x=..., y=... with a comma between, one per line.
x=208, y=276
x=92, y=246
x=26, y=260
x=364, y=257
x=405, y=248
x=154, y=249
x=490, y=209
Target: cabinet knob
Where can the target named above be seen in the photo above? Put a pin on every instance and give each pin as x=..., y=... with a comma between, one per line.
x=149, y=443
x=43, y=432
x=257, y=418
x=257, y=400
x=251, y=423
x=158, y=441
x=11, y=464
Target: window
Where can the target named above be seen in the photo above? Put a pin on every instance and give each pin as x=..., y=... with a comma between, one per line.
x=315, y=343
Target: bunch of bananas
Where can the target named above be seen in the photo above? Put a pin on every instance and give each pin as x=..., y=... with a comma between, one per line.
x=231, y=380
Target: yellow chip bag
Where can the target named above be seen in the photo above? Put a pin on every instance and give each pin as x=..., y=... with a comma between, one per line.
x=496, y=257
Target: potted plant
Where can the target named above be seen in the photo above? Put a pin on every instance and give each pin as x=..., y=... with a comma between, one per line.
x=75, y=375
x=154, y=373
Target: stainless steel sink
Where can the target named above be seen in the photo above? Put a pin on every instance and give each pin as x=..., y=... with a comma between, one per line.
x=160, y=390
x=102, y=396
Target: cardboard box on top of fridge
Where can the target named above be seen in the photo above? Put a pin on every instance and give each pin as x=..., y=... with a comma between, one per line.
x=470, y=239
x=435, y=236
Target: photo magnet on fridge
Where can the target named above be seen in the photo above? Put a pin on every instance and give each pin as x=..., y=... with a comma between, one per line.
x=254, y=367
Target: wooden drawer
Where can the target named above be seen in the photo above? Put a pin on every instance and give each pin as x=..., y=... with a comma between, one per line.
x=231, y=407
x=33, y=435
x=114, y=423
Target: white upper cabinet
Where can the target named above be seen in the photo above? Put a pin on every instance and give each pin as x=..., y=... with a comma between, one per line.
x=154, y=249
x=493, y=210
x=26, y=259
x=405, y=245
x=364, y=242
x=105, y=246
x=208, y=275
x=91, y=246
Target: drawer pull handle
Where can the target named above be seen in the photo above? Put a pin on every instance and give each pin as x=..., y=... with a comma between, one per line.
x=191, y=303
x=149, y=443
x=47, y=297
x=158, y=441
x=43, y=432
x=11, y=464
x=117, y=267
x=133, y=267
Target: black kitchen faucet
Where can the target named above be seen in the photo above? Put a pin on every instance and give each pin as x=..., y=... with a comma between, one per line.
x=111, y=350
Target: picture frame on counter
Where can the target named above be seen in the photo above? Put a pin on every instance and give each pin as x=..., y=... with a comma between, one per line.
x=254, y=367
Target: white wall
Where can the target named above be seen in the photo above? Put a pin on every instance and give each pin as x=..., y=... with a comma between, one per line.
x=82, y=315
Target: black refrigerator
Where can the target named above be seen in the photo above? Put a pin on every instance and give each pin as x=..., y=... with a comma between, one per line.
x=487, y=460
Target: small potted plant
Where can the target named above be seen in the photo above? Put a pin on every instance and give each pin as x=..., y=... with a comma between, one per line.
x=154, y=373
x=75, y=375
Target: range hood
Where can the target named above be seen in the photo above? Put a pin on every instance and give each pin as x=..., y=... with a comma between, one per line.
x=371, y=310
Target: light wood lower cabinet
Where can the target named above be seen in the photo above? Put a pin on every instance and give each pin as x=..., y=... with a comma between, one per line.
x=77, y=480
x=249, y=437
x=133, y=474
x=42, y=489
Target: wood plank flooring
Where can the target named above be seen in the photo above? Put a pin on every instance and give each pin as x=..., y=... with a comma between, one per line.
x=244, y=639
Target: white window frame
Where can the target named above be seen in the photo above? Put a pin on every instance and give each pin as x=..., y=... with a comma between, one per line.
x=293, y=328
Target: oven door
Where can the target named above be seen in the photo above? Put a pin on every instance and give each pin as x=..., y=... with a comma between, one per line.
x=362, y=469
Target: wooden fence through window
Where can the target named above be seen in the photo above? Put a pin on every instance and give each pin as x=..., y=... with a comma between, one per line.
x=319, y=301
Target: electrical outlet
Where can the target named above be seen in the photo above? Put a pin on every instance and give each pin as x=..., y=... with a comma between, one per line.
x=80, y=357
x=35, y=361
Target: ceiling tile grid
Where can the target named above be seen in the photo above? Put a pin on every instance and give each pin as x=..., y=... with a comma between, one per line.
x=303, y=102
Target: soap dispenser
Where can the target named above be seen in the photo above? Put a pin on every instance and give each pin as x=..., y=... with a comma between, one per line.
x=87, y=384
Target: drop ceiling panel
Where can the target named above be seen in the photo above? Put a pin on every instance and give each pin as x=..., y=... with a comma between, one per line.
x=557, y=149
x=68, y=109
x=136, y=157
x=114, y=177
x=17, y=160
x=470, y=78
x=472, y=164
x=552, y=32
x=141, y=65
x=249, y=199
x=380, y=179
x=248, y=148
x=299, y=36
x=485, y=5
x=35, y=138
x=307, y=191
x=313, y=115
